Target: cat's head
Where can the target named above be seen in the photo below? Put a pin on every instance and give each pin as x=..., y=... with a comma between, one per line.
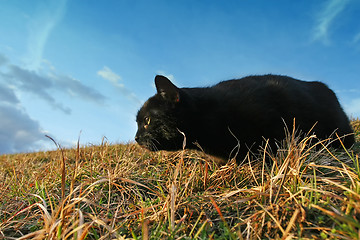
x=158, y=119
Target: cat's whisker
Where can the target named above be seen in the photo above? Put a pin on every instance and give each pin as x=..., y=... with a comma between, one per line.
x=153, y=145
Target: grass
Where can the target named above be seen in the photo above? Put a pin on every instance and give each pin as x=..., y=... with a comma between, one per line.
x=126, y=192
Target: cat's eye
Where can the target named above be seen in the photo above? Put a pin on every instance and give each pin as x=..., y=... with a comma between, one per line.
x=147, y=122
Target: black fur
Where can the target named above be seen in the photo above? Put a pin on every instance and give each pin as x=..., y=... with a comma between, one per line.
x=245, y=111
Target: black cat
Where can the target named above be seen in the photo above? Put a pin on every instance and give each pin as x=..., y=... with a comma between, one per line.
x=242, y=111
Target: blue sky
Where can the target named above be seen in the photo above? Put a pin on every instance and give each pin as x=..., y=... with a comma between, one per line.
x=84, y=68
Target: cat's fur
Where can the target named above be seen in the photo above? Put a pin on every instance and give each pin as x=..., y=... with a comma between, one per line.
x=244, y=111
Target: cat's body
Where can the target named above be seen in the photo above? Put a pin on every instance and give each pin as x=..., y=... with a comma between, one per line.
x=244, y=111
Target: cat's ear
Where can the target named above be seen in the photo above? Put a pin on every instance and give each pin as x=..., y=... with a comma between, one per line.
x=167, y=89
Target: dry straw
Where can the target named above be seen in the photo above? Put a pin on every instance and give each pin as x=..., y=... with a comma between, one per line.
x=125, y=192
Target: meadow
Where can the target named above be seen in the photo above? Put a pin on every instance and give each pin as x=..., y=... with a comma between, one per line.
x=122, y=191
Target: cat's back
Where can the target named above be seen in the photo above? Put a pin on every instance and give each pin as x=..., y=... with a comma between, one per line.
x=271, y=86
x=259, y=82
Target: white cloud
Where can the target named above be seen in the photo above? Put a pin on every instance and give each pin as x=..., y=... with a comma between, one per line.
x=18, y=132
x=353, y=108
x=326, y=18
x=107, y=74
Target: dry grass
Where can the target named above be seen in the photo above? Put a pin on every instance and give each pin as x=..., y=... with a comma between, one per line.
x=126, y=192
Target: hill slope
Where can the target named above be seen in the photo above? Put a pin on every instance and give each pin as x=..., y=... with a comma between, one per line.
x=124, y=191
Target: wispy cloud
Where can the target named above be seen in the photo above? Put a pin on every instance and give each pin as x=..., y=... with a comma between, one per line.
x=40, y=26
x=107, y=74
x=77, y=89
x=326, y=18
x=30, y=82
x=18, y=131
x=43, y=85
x=356, y=38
